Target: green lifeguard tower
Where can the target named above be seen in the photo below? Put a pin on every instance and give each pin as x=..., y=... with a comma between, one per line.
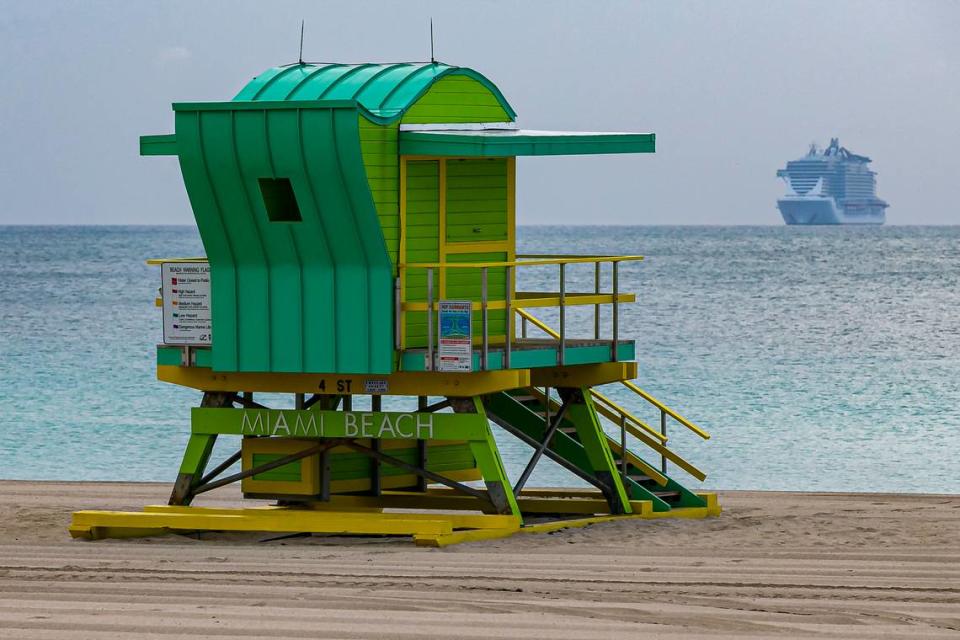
x=360, y=233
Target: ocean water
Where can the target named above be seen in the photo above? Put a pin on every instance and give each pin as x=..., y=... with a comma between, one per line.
x=818, y=358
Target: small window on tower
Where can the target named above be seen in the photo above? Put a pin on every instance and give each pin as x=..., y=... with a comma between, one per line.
x=279, y=200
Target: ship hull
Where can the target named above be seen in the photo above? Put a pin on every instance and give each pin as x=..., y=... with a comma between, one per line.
x=824, y=211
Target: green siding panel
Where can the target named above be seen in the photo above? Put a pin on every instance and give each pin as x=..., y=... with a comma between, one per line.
x=477, y=200
x=423, y=243
x=457, y=99
x=292, y=472
x=310, y=296
x=378, y=144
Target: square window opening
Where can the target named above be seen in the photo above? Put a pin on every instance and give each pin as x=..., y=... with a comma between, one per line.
x=279, y=200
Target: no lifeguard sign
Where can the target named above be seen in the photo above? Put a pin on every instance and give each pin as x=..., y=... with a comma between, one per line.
x=186, y=303
x=455, y=342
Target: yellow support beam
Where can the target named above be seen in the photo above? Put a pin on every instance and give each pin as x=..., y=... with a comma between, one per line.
x=456, y=520
x=403, y=383
x=86, y=524
x=584, y=375
x=427, y=529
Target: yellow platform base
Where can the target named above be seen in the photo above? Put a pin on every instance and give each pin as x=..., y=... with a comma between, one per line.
x=358, y=515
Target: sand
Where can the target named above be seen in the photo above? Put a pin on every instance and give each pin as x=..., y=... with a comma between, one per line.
x=774, y=565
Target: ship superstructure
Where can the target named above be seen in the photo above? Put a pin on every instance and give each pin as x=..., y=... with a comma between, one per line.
x=830, y=186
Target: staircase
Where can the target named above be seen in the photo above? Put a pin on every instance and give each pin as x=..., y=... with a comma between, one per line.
x=526, y=413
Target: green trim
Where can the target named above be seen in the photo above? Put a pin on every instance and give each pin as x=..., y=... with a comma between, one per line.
x=522, y=143
x=545, y=356
x=381, y=425
x=262, y=105
x=199, y=448
x=414, y=360
x=161, y=145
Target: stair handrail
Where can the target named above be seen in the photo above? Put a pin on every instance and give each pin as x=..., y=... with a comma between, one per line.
x=537, y=322
x=626, y=415
x=664, y=409
x=665, y=452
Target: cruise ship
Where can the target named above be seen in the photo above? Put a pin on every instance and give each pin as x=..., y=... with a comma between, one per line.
x=830, y=186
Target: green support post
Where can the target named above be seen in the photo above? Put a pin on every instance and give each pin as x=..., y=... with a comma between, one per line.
x=197, y=454
x=488, y=459
x=583, y=415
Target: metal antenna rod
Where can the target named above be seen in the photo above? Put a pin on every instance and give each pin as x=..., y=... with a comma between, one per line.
x=301, y=41
x=432, y=59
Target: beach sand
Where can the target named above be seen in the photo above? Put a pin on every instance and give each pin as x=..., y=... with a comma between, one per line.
x=774, y=565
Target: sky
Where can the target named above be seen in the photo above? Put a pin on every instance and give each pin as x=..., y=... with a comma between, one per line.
x=732, y=89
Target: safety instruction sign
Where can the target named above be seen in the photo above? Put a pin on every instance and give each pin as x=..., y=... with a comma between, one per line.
x=455, y=339
x=186, y=303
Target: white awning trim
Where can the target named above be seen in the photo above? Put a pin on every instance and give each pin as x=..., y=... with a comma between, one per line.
x=460, y=126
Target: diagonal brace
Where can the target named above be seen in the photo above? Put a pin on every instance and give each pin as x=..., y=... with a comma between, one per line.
x=538, y=451
x=430, y=475
x=269, y=466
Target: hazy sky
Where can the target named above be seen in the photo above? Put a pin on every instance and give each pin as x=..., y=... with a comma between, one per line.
x=732, y=89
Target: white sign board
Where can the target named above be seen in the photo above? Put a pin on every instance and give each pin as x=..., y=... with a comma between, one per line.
x=186, y=303
x=455, y=340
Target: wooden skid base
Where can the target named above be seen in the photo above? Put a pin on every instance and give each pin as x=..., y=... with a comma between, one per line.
x=361, y=515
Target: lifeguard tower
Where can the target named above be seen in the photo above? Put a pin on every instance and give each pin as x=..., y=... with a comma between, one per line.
x=359, y=225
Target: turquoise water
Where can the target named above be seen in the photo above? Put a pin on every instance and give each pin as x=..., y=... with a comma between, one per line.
x=819, y=358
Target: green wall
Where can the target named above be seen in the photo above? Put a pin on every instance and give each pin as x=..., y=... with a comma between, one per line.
x=378, y=145
x=423, y=245
x=313, y=295
x=477, y=200
x=456, y=99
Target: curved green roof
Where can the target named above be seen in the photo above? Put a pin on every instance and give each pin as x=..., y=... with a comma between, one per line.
x=384, y=91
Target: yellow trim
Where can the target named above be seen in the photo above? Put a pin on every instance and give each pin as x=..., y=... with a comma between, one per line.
x=608, y=408
x=86, y=523
x=583, y=375
x=512, y=207
x=154, y=261
x=538, y=323
x=402, y=383
x=520, y=263
x=309, y=483
x=512, y=236
x=442, y=230
x=458, y=520
x=474, y=535
x=629, y=385
x=481, y=246
x=528, y=301
x=402, y=254
x=654, y=444
x=427, y=529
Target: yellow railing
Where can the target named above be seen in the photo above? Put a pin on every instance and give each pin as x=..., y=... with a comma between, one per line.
x=664, y=409
x=629, y=423
x=514, y=300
